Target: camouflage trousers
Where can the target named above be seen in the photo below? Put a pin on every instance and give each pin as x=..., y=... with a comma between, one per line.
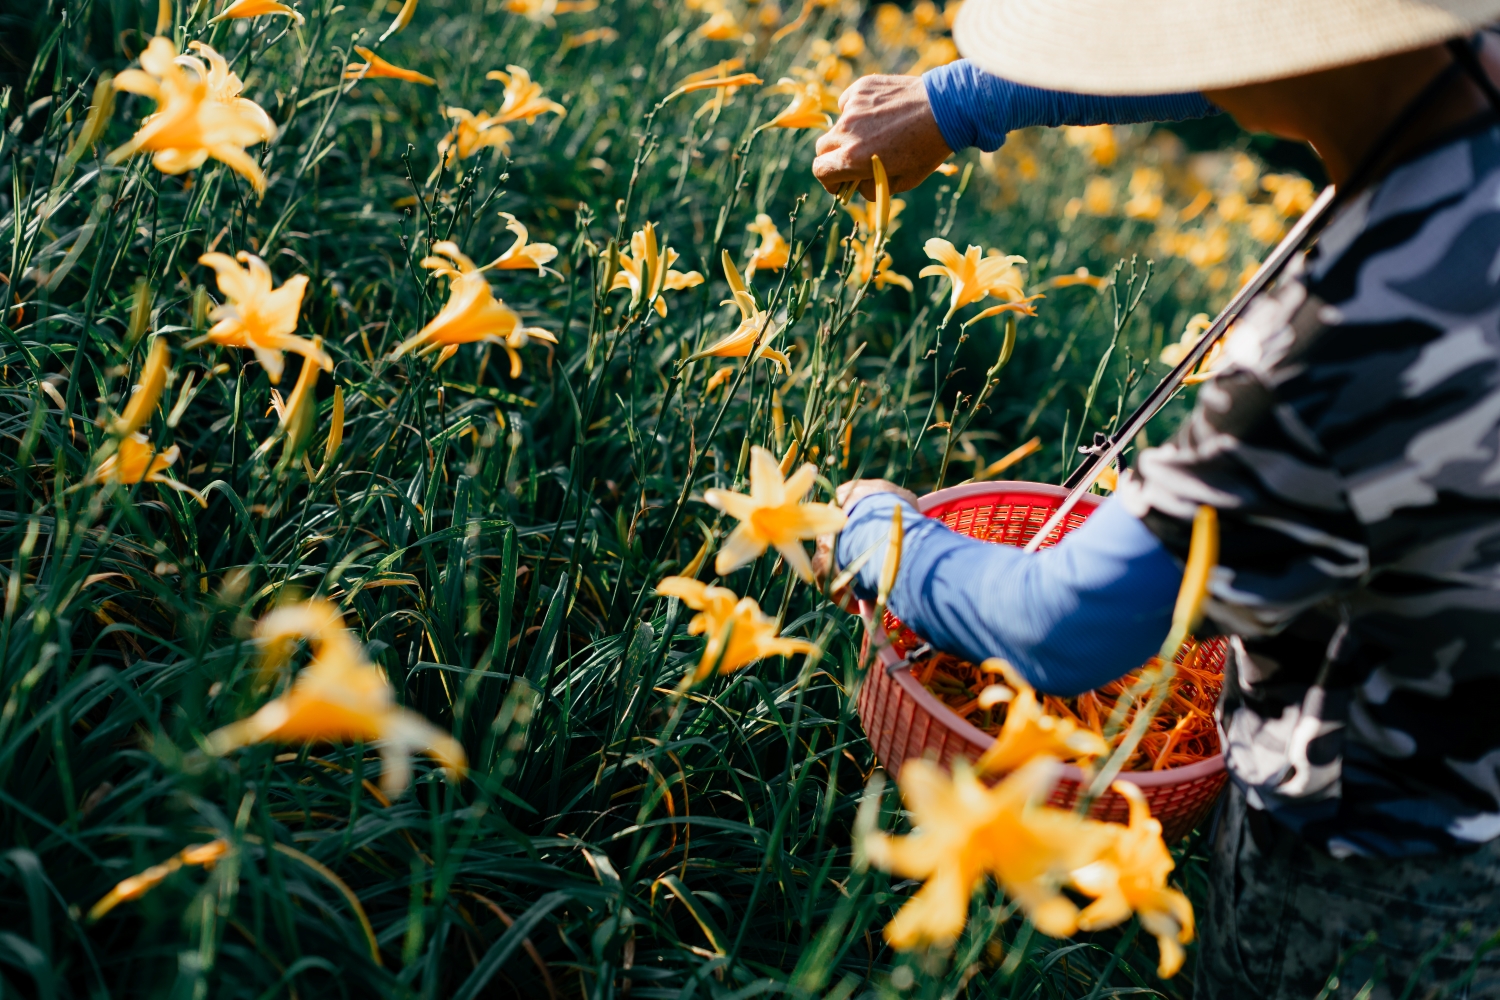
x=1282, y=916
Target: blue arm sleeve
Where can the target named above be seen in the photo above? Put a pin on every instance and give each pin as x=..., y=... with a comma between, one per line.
x=1070, y=618
x=974, y=108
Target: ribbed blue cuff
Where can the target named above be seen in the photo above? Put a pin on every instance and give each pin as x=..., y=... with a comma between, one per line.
x=974, y=108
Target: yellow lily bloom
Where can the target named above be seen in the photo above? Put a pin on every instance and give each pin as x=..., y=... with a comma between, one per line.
x=470, y=134
x=198, y=115
x=257, y=8
x=867, y=215
x=1132, y=878
x=338, y=696
x=723, y=26
x=864, y=264
x=773, y=252
x=751, y=636
x=1029, y=731
x=1097, y=140
x=755, y=324
x=965, y=830
x=147, y=392
x=1173, y=354
x=135, y=461
x=137, y=886
x=649, y=259
x=773, y=514
x=257, y=317
x=811, y=102
x=974, y=277
x=1078, y=277
x=1291, y=195
x=471, y=314
x=523, y=97
x=723, y=79
x=523, y=255
x=374, y=66
x=542, y=10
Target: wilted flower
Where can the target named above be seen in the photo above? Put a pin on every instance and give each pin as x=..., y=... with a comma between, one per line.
x=647, y=270
x=755, y=325
x=773, y=252
x=374, y=66
x=773, y=515
x=470, y=134
x=1028, y=731
x=340, y=695
x=811, y=102
x=147, y=392
x=198, y=114
x=137, y=886
x=258, y=317
x=1132, y=877
x=974, y=277
x=135, y=461
x=751, y=636
x=471, y=314
x=523, y=97
x=256, y=8
x=522, y=254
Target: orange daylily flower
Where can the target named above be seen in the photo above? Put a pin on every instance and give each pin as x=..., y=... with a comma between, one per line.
x=773, y=252
x=1097, y=140
x=1078, y=277
x=589, y=37
x=135, y=461
x=755, y=325
x=257, y=8
x=470, y=134
x=542, y=10
x=340, y=696
x=647, y=270
x=773, y=514
x=1131, y=877
x=1029, y=731
x=974, y=277
x=374, y=66
x=1291, y=195
x=751, y=635
x=723, y=26
x=1196, y=327
x=147, y=392
x=865, y=263
x=471, y=314
x=523, y=97
x=199, y=114
x=257, y=317
x=724, y=79
x=137, y=886
x=523, y=255
x=811, y=102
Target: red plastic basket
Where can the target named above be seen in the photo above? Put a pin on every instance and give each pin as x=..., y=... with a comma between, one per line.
x=904, y=721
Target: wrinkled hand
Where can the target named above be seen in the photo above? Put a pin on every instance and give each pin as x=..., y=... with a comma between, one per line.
x=846, y=497
x=886, y=116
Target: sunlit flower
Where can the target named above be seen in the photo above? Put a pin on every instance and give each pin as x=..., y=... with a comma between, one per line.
x=755, y=325
x=523, y=97
x=865, y=216
x=470, y=134
x=931, y=53
x=589, y=37
x=1196, y=207
x=256, y=8
x=198, y=113
x=1232, y=207
x=1099, y=196
x=257, y=317
x=1132, y=878
x=542, y=10
x=772, y=515
x=1145, y=194
x=523, y=255
x=723, y=79
x=1078, y=277
x=974, y=277
x=1098, y=140
x=1028, y=731
x=964, y=830
x=339, y=696
x=1173, y=354
x=137, y=886
x=723, y=26
x=811, y=102
x=1264, y=223
x=647, y=270
x=890, y=25
x=374, y=66
x=1291, y=195
x=864, y=262
x=751, y=635
x=850, y=45
x=135, y=461
x=471, y=314
x=147, y=392
x=773, y=252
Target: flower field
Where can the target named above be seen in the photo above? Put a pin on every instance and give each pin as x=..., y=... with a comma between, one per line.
x=416, y=419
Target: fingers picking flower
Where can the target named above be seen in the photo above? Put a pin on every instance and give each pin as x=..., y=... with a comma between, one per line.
x=773, y=515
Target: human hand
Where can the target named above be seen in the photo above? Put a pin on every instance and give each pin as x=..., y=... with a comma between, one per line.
x=846, y=496
x=885, y=116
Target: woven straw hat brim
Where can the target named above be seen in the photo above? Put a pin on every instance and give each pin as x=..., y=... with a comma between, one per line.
x=1166, y=46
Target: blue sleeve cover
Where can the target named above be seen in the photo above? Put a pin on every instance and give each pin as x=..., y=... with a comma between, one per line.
x=974, y=108
x=1070, y=618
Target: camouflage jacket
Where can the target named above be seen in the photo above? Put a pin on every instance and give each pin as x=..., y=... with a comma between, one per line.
x=1351, y=443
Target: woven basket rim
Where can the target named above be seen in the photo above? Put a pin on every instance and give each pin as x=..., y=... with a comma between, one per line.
x=887, y=657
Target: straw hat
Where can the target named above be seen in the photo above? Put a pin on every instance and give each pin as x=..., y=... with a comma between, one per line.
x=1164, y=46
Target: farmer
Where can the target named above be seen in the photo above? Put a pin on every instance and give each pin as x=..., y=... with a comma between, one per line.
x=1351, y=446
